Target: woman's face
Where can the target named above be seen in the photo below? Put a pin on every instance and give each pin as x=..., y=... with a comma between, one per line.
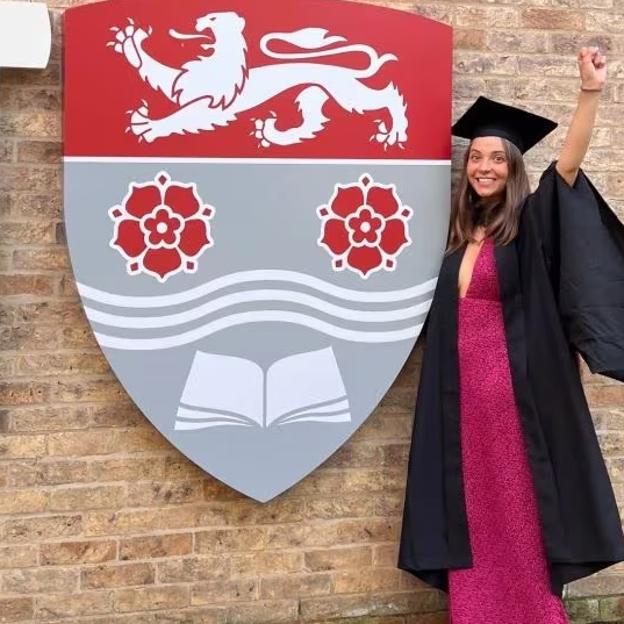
x=487, y=167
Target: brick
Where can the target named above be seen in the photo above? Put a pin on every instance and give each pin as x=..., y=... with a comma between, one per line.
x=18, y=446
x=140, y=521
x=597, y=585
x=357, y=557
x=23, y=501
x=39, y=151
x=46, y=472
x=16, y=609
x=250, y=512
x=286, y=586
x=611, y=608
x=122, y=575
x=365, y=580
x=179, y=467
x=469, y=39
x=26, y=285
x=485, y=17
x=28, y=205
x=78, y=338
x=18, y=233
x=603, y=22
x=126, y=469
x=104, y=442
x=352, y=455
x=29, y=178
x=605, y=396
x=50, y=259
x=215, y=490
x=377, y=604
x=39, y=581
x=386, y=424
x=91, y=390
x=72, y=553
x=224, y=591
x=193, y=569
x=328, y=482
x=385, y=555
x=473, y=63
x=87, y=497
x=28, y=338
x=274, y=611
x=51, y=75
x=33, y=420
x=151, y=598
x=265, y=563
x=568, y=43
x=18, y=556
x=611, y=442
x=172, y=545
x=114, y=414
x=145, y=494
x=552, y=19
x=353, y=506
x=30, y=99
x=234, y=539
x=516, y=41
x=37, y=528
x=73, y=605
x=39, y=123
x=550, y=65
x=7, y=151
x=43, y=313
x=582, y=609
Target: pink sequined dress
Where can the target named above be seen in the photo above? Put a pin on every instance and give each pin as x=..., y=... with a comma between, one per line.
x=508, y=583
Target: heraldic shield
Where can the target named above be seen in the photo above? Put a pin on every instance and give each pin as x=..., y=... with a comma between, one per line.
x=256, y=204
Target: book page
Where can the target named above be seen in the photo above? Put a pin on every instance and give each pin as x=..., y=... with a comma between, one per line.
x=222, y=383
x=302, y=380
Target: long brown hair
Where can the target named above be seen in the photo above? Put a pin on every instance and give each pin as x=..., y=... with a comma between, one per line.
x=501, y=220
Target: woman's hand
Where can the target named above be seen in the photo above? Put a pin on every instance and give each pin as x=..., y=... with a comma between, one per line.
x=592, y=66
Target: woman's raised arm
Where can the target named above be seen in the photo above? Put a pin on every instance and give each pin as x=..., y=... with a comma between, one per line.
x=593, y=70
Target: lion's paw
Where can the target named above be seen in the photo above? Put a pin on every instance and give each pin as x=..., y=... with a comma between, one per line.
x=262, y=130
x=128, y=40
x=141, y=125
x=388, y=138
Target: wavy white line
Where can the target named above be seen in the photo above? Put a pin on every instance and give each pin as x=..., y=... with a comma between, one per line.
x=253, y=296
x=264, y=316
x=243, y=277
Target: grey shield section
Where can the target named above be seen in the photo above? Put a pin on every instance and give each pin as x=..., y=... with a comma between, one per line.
x=265, y=219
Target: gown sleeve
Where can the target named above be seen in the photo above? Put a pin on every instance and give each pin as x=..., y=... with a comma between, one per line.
x=582, y=242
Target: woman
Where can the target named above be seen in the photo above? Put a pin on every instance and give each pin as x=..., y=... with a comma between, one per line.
x=508, y=497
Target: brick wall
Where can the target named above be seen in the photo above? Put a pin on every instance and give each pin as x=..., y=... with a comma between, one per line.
x=101, y=520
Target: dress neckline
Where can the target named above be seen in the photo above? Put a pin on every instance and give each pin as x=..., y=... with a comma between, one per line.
x=486, y=241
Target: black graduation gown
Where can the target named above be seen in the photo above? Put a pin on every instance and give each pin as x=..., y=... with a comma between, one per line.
x=562, y=290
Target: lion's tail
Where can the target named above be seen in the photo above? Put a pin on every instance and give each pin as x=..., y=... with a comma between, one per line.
x=316, y=38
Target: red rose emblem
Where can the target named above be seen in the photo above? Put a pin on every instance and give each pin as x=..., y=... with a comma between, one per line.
x=161, y=227
x=364, y=226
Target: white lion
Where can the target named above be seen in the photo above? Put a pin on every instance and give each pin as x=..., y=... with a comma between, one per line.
x=210, y=91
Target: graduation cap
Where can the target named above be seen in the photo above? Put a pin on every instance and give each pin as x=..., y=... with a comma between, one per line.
x=489, y=118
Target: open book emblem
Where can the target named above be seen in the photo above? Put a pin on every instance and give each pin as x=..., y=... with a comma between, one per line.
x=306, y=387
x=256, y=206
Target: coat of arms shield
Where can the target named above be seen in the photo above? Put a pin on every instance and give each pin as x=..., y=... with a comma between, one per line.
x=256, y=203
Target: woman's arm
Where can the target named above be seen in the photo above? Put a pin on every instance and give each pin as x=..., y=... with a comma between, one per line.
x=593, y=70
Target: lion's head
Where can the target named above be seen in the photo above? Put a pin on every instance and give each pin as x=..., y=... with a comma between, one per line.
x=222, y=74
x=221, y=24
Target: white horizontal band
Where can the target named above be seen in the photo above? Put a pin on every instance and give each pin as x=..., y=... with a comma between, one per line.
x=253, y=161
